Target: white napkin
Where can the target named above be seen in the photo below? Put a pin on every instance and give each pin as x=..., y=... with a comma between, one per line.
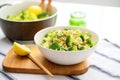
x=104, y=64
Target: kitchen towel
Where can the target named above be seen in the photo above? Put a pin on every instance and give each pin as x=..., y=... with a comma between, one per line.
x=104, y=64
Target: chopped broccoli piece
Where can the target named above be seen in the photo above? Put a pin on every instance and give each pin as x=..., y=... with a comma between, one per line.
x=59, y=35
x=69, y=41
x=66, y=29
x=73, y=48
x=84, y=47
x=89, y=42
x=46, y=35
x=43, y=15
x=55, y=46
x=43, y=41
x=82, y=37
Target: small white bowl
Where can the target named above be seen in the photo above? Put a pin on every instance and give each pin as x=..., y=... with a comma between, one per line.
x=64, y=57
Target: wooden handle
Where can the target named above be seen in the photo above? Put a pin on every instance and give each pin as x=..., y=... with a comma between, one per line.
x=40, y=65
x=48, y=9
x=42, y=4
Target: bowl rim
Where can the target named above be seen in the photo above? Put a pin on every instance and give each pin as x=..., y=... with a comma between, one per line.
x=53, y=15
x=62, y=27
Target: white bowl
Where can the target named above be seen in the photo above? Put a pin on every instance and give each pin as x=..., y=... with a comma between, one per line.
x=64, y=57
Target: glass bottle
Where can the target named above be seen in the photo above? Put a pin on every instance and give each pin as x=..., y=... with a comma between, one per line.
x=77, y=19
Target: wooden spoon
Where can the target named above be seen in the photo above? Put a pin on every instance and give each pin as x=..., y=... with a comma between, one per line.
x=42, y=4
x=22, y=50
x=48, y=8
x=40, y=65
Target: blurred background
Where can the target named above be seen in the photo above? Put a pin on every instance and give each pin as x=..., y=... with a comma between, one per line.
x=95, y=2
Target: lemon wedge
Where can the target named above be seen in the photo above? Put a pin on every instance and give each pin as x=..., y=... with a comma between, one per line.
x=21, y=49
x=35, y=9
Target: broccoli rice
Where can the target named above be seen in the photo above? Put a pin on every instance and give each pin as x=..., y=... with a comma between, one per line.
x=67, y=40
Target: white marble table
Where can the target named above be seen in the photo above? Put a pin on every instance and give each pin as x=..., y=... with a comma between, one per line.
x=105, y=61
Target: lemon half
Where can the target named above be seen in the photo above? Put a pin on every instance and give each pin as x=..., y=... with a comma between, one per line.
x=21, y=49
x=35, y=9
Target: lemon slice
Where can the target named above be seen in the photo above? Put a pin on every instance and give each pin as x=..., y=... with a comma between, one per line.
x=21, y=49
x=35, y=9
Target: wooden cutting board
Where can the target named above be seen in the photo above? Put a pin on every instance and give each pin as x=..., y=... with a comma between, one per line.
x=17, y=64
